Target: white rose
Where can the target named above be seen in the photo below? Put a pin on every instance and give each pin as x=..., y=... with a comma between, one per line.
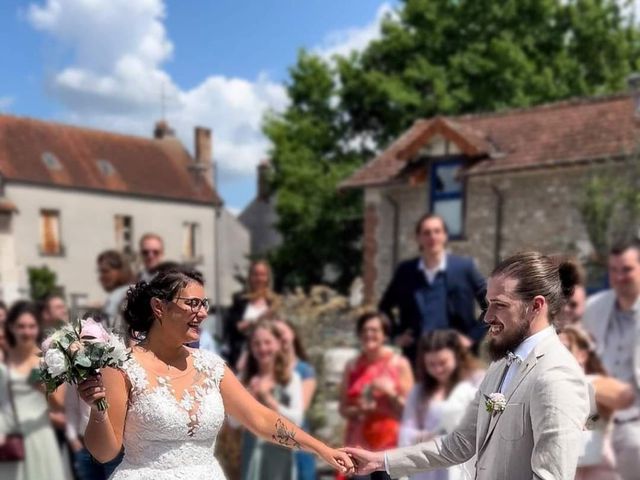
x=56, y=362
x=120, y=351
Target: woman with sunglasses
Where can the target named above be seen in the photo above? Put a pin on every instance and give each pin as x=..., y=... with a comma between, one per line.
x=168, y=403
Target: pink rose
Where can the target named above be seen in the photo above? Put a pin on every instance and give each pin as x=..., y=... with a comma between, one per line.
x=91, y=328
x=46, y=345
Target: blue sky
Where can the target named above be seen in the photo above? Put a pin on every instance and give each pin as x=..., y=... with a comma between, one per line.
x=221, y=63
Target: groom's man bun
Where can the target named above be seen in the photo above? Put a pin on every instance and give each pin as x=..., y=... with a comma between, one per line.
x=554, y=278
x=138, y=313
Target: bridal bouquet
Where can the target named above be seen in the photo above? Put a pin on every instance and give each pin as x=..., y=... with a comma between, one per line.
x=75, y=351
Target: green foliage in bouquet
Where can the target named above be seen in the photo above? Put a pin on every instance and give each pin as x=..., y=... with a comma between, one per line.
x=74, y=352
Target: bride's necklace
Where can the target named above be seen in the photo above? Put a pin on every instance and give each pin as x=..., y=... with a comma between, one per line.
x=168, y=365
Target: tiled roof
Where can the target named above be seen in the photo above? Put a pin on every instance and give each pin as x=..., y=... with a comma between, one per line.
x=547, y=135
x=54, y=154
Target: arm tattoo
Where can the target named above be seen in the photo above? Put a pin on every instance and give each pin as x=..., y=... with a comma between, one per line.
x=285, y=437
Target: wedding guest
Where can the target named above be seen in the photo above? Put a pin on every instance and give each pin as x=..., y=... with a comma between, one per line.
x=598, y=461
x=84, y=466
x=447, y=379
x=3, y=337
x=437, y=290
x=612, y=318
x=3, y=313
x=23, y=404
x=53, y=311
x=374, y=388
x=573, y=310
x=247, y=307
x=152, y=254
x=296, y=355
x=115, y=276
x=270, y=377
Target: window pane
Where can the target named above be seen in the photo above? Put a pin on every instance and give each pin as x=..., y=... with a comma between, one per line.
x=50, y=232
x=445, y=178
x=451, y=211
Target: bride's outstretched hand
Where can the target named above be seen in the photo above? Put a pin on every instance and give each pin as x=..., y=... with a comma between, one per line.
x=365, y=461
x=339, y=460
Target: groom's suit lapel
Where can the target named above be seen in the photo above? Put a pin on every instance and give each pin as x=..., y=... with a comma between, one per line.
x=485, y=417
x=524, y=369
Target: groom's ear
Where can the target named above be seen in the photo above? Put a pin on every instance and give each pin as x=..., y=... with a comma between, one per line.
x=538, y=303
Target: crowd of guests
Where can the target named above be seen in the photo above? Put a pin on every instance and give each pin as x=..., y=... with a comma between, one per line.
x=417, y=368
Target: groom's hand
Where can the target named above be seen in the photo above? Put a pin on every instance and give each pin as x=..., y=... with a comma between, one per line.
x=364, y=460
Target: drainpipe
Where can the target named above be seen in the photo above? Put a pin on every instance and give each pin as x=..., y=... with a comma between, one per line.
x=497, y=242
x=395, y=229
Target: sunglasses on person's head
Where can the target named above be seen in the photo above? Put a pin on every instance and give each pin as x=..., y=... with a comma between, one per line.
x=148, y=253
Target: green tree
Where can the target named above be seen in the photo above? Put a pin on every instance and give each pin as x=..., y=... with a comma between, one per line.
x=610, y=210
x=442, y=57
x=42, y=282
x=320, y=228
x=434, y=57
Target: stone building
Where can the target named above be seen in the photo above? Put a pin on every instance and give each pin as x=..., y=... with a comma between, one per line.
x=68, y=193
x=503, y=181
x=260, y=216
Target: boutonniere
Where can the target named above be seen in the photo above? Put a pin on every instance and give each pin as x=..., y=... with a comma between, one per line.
x=495, y=403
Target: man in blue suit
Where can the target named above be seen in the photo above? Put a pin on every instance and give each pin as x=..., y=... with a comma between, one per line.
x=434, y=291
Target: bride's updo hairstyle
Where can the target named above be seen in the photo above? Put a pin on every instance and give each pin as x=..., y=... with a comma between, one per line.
x=553, y=278
x=165, y=286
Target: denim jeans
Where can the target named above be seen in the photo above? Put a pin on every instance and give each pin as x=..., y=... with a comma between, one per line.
x=88, y=468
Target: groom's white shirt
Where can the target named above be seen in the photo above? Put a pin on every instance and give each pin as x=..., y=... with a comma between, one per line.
x=537, y=436
x=522, y=352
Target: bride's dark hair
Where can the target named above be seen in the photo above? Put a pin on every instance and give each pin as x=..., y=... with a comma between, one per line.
x=165, y=286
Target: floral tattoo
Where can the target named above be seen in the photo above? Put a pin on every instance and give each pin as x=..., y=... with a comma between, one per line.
x=285, y=437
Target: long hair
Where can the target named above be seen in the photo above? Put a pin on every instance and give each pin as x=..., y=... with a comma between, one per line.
x=267, y=293
x=18, y=309
x=580, y=339
x=282, y=368
x=436, y=341
x=117, y=261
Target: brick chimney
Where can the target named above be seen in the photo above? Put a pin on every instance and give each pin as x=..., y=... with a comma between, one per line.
x=162, y=130
x=203, y=153
x=264, y=187
x=203, y=146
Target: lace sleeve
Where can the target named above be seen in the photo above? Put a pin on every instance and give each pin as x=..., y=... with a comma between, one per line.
x=136, y=375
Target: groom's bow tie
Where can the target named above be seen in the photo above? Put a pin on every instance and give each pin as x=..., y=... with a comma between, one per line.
x=513, y=358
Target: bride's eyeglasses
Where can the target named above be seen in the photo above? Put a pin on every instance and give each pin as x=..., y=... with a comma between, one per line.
x=195, y=303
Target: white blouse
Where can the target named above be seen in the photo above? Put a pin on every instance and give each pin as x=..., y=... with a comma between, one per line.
x=439, y=418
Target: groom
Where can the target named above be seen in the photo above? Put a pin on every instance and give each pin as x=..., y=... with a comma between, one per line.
x=526, y=419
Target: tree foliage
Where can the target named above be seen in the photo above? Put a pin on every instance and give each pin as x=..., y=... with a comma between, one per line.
x=434, y=57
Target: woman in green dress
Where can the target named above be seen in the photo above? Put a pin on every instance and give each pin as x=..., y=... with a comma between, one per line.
x=31, y=417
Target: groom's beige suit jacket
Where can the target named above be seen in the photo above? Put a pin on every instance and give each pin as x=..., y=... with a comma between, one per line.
x=537, y=436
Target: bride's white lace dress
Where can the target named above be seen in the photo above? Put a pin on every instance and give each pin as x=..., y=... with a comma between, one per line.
x=172, y=422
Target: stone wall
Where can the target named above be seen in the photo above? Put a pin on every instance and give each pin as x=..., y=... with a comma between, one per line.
x=539, y=212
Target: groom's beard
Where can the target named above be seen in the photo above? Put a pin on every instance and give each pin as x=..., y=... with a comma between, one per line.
x=508, y=341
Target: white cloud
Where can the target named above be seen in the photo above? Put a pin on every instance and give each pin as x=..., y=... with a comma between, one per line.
x=342, y=42
x=115, y=79
x=5, y=103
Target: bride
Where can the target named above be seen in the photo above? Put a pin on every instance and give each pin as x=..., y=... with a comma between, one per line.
x=168, y=403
